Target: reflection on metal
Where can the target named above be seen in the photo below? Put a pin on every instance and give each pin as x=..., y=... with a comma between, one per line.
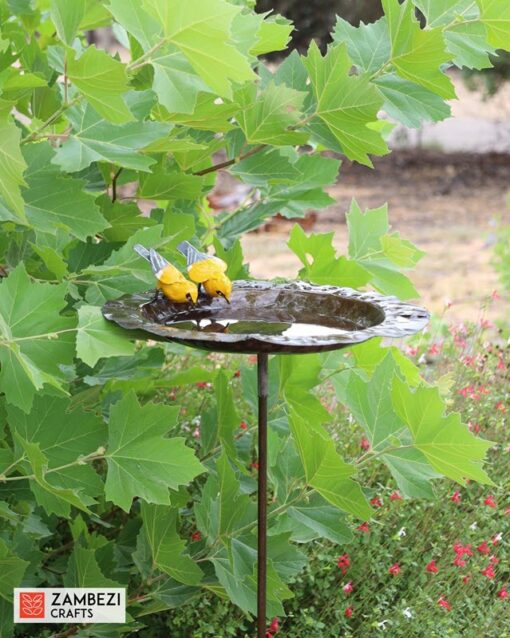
x=267, y=318
x=293, y=317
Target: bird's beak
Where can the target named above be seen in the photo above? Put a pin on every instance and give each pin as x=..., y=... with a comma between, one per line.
x=190, y=299
x=221, y=294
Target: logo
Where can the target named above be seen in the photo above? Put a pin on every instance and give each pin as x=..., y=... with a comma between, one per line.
x=31, y=604
x=66, y=605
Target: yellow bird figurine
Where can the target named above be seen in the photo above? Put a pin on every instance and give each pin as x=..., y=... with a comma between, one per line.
x=207, y=270
x=170, y=281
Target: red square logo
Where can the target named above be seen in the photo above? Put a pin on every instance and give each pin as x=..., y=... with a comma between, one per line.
x=31, y=604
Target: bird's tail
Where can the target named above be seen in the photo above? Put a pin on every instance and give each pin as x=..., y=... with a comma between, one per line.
x=190, y=252
x=156, y=261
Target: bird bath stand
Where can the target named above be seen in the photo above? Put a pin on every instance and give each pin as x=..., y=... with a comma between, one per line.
x=265, y=318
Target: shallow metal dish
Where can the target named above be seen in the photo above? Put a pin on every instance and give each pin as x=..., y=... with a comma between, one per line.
x=294, y=317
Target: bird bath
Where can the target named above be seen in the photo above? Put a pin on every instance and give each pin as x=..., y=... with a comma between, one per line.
x=268, y=318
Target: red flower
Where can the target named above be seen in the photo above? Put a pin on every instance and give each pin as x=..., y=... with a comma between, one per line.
x=347, y=589
x=348, y=612
x=442, y=602
x=237, y=373
x=395, y=569
x=493, y=559
x=364, y=443
x=412, y=352
x=269, y=634
x=500, y=366
x=343, y=562
x=376, y=501
x=466, y=579
x=275, y=625
x=456, y=497
x=502, y=593
x=489, y=571
x=365, y=528
x=483, y=548
x=254, y=466
x=432, y=568
x=202, y=384
x=490, y=502
x=507, y=511
x=500, y=406
x=434, y=349
x=459, y=562
x=462, y=550
x=243, y=425
x=196, y=536
x=395, y=496
x=495, y=295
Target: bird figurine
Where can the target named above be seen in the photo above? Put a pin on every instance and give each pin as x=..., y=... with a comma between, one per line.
x=170, y=281
x=207, y=271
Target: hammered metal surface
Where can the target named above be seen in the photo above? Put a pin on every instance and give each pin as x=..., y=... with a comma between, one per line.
x=342, y=316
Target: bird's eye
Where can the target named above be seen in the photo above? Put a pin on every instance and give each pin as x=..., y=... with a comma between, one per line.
x=219, y=293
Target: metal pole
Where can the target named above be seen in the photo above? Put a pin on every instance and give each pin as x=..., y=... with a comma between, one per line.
x=262, y=373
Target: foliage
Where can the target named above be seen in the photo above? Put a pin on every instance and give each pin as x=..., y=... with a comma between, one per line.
x=100, y=480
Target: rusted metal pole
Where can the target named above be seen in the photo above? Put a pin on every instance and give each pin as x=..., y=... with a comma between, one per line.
x=262, y=373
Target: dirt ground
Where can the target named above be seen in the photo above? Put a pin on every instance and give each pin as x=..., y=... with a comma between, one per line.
x=450, y=205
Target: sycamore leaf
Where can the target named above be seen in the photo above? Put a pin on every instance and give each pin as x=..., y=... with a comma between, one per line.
x=131, y=15
x=202, y=33
x=371, y=403
x=97, y=338
x=141, y=462
x=55, y=500
x=170, y=185
x=273, y=35
x=160, y=525
x=56, y=202
x=103, y=81
x=83, y=570
x=495, y=15
x=446, y=12
x=83, y=434
x=417, y=54
x=325, y=470
x=12, y=166
x=35, y=340
x=410, y=103
x=266, y=118
x=368, y=44
x=66, y=17
x=412, y=472
x=12, y=568
x=124, y=219
x=347, y=104
x=445, y=441
x=95, y=140
x=222, y=507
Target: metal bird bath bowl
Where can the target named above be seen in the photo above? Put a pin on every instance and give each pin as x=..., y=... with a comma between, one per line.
x=265, y=318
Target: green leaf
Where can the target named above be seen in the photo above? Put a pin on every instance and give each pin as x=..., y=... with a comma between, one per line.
x=56, y=202
x=368, y=44
x=160, y=526
x=371, y=403
x=222, y=507
x=94, y=140
x=412, y=472
x=55, y=500
x=468, y=45
x=12, y=166
x=170, y=185
x=83, y=434
x=141, y=462
x=124, y=219
x=83, y=570
x=35, y=340
x=175, y=82
x=347, y=117
x=325, y=470
x=131, y=15
x=266, y=118
x=321, y=266
x=66, y=17
x=410, y=103
x=315, y=519
x=446, y=12
x=417, y=54
x=273, y=35
x=226, y=414
x=202, y=33
x=382, y=254
x=103, y=81
x=13, y=568
x=495, y=15
x=445, y=441
x=97, y=338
